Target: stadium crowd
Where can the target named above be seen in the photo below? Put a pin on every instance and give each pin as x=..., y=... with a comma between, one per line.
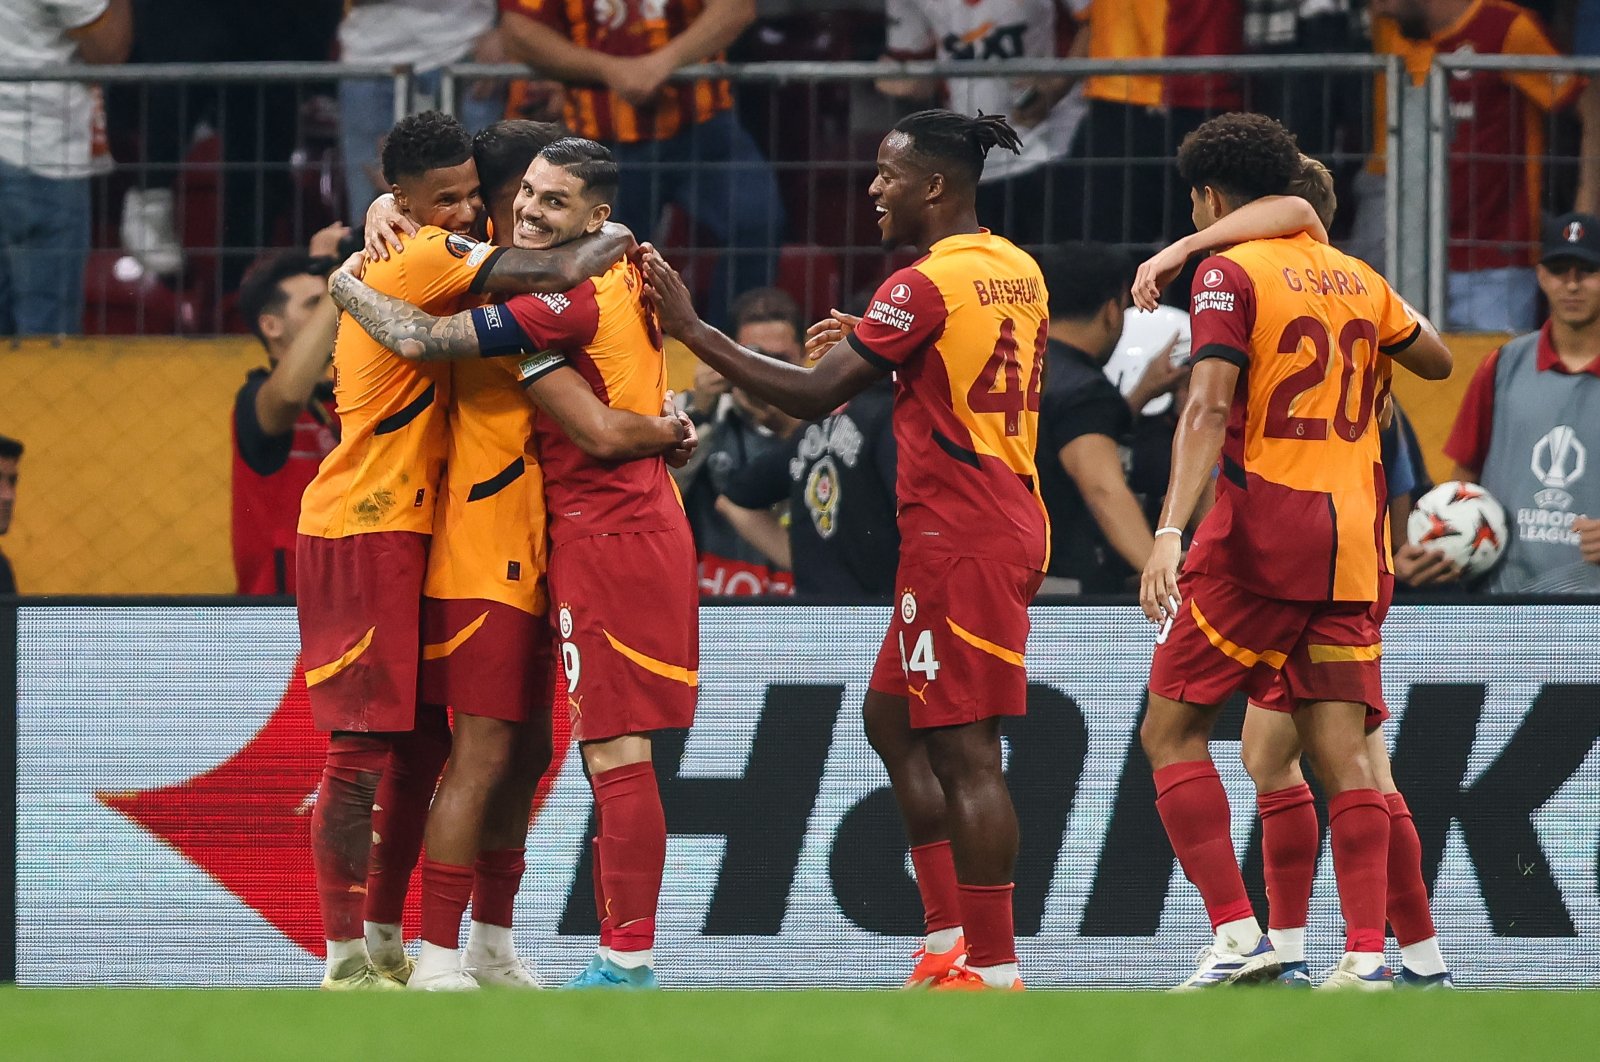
x=136, y=204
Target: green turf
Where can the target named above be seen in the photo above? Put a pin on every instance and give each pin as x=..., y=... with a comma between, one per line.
x=1272, y=1024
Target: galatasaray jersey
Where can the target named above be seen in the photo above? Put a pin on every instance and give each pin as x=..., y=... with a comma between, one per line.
x=964, y=329
x=1302, y=508
x=602, y=329
x=385, y=471
x=489, y=530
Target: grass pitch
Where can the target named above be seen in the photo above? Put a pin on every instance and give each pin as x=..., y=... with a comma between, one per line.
x=1279, y=1025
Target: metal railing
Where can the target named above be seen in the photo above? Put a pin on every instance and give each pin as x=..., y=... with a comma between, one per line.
x=815, y=124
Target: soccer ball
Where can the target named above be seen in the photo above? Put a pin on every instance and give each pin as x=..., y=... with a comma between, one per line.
x=1462, y=521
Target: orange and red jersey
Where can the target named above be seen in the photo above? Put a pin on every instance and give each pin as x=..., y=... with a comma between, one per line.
x=1153, y=29
x=1498, y=145
x=1302, y=507
x=628, y=28
x=964, y=329
x=384, y=474
x=603, y=330
x=489, y=528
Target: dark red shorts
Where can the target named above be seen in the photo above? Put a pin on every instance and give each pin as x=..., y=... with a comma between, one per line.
x=1225, y=639
x=360, y=605
x=955, y=645
x=486, y=658
x=626, y=614
x=1277, y=699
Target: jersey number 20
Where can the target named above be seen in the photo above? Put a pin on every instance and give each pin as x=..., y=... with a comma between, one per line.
x=1280, y=425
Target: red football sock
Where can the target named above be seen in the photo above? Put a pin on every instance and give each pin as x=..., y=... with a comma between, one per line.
x=400, y=812
x=987, y=922
x=496, y=876
x=1407, y=906
x=446, y=889
x=1289, y=844
x=1194, y=809
x=1358, y=819
x=633, y=844
x=600, y=894
x=341, y=829
x=936, y=881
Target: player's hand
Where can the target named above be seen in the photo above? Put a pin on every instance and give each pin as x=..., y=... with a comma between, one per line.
x=1588, y=530
x=1386, y=412
x=355, y=265
x=325, y=242
x=1420, y=566
x=385, y=224
x=638, y=78
x=1158, y=587
x=826, y=333
x=1155, y=273
x=667, y=294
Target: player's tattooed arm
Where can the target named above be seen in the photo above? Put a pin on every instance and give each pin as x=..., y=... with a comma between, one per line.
x=396, y=324
x=839, y=376
x=520, y=270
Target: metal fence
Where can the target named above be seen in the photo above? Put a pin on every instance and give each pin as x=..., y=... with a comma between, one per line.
x=248, y=158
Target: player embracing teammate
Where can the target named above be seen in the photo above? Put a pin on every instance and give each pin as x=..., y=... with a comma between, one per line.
x=1283, y=590
x=963, y=331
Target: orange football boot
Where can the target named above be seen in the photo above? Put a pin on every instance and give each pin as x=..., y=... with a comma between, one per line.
x=931, y=969
x=961, y=979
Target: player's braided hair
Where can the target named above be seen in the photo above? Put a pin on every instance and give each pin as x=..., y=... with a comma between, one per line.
x=947, y=140
x=1243, y=156
x=588, y=161
x=431, y=140
x=505, y=150
x=1314, y=184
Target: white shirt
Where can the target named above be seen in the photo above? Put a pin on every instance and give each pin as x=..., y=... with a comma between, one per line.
x=1143, y=336
x=44, y=125
x=992, y=29
x=425, y=34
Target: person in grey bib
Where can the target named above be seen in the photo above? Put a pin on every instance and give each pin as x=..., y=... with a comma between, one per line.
x=1529, y=428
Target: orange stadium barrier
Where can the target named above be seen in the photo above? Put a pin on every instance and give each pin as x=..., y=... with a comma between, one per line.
x=125, y=480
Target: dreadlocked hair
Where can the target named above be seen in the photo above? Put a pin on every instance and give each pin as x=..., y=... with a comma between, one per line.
x=947, y=140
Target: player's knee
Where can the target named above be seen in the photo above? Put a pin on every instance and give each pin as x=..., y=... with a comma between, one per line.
x=1269, y=768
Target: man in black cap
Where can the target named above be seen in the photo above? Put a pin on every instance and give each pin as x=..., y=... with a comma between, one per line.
x=1529, y=430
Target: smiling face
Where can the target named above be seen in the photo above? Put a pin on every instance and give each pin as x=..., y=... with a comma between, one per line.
x=554, y=207
x=447, y=197
x=901, y=192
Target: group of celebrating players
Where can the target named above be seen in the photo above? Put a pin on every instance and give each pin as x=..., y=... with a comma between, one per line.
x=484, y=519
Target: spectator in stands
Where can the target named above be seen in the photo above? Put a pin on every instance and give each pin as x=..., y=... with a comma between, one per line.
x=1098, y=534
x=837, y=475
x=1017, y=196
x=736, y=558
x=257, y=121
x=10, y=458
x=45, y=138
x=678, y=143
x=1132, y=193
x=283, y=416
x=1496, y=154
x=1529, y=431
x=427, y=35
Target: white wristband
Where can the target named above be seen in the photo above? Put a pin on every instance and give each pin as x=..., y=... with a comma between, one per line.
x=1168, y=531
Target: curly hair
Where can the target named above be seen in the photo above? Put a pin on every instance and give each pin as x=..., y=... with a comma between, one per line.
x=1314, y=184
x=950, y=141
x=1243, y=156
x=431, y=140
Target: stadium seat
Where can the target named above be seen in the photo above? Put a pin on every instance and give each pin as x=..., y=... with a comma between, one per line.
x=122, y=299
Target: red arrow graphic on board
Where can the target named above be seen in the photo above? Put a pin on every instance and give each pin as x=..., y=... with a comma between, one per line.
x=247, y=821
